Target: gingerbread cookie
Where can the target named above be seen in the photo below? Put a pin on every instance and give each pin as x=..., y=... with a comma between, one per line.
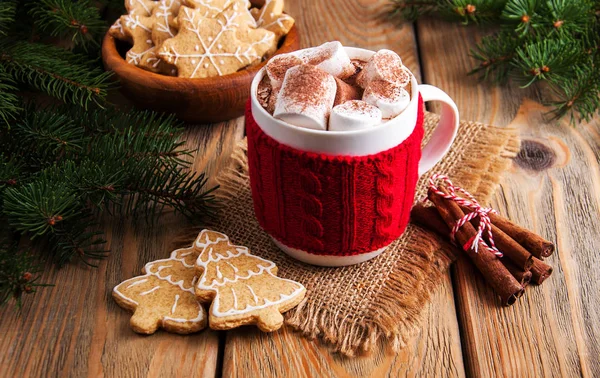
x=143, y=53
x=164, y=296
x=271, y=17
x=244, y=288
x=206, y=47
x=116, y=31
x=163, y=21
x=140, y=7
x=208, y=8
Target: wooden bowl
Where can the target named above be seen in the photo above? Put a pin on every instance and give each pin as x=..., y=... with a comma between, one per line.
x=213, y=99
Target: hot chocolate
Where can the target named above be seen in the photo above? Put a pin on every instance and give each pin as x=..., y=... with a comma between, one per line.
x=322, y=88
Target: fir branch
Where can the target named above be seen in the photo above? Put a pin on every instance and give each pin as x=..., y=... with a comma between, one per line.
x=547, y=60
x=59, y=73
x=11, y=173
x=78, y=238
x=466, y=11
x=18, y=273
x=554, y=42
x=521, y=13
x=580, y=96
x=37, y=207
x=494, y=54
x=8, y=9
x=50, y=135
x=77, y=20
x=9, y=101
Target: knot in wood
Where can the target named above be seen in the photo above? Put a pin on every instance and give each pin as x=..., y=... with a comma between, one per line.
x=535, y=156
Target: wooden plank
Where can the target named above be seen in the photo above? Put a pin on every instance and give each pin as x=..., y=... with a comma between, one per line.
x=555, y=191
x=436, y=350
x=76, y=329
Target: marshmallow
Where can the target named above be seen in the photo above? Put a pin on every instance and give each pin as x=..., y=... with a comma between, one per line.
x=384, y=65
x=306, y=97
x=390, y=98
x=278, y=66
x=331, y=57
x=346, y=92
x=354, y=115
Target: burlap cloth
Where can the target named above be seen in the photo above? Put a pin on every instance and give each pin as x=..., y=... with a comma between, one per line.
x=351, y=308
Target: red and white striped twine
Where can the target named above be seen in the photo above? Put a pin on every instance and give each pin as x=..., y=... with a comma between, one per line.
x=485, y=224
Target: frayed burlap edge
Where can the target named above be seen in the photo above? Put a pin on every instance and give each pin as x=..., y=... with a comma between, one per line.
x=399, y=304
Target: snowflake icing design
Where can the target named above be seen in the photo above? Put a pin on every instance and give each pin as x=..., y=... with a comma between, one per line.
x=218, y=48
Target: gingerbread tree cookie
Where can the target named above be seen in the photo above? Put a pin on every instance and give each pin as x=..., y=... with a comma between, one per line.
x=206, y=47
x=271, y=17
x=164, y=296
x=244, y=288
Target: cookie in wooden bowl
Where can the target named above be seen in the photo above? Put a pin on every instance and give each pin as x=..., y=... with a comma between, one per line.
x=204, y=71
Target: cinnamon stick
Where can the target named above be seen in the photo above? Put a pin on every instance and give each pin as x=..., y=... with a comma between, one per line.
x=540, y=271
x=492, y=269
x=535, y=244
x=509, y=247
x=524, y=277
x=429, y=217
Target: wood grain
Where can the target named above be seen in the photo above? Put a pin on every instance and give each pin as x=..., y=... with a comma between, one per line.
x=436, y=350
x=553, y=330
x=76, y=329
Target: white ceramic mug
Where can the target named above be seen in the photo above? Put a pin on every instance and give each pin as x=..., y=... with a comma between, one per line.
x=327, y=147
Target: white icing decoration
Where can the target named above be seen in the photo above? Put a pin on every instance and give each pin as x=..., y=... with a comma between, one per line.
x=235, y=269
x=141, y=2
x=260, y=22
x=147, y=268
x=235, y=304
x=253, y=294
x=150, y=291
x=133, y=21
x=197, y=319
x=118, y=25
x=137, y=283
x=219, y=275
x=247, y=55
x=175, y=304
x=266, y=268
x=164, y=12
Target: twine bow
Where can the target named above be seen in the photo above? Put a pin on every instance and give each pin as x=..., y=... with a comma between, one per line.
x=485, y=224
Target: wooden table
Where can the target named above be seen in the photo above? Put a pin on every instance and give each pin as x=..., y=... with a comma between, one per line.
x=75, y=328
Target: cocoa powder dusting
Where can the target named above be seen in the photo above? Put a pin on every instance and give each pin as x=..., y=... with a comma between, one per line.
x=279, y=65
x=384, y=88
x=392, y=69
x=305, y=85
x=357, y=107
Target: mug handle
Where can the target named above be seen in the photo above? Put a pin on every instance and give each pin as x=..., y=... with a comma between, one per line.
x=444, y=133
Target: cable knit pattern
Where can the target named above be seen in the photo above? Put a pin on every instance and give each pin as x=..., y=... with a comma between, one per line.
x=332, y=205
x=312, y=209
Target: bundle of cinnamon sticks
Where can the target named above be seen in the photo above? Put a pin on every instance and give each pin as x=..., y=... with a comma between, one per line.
x=523, y=250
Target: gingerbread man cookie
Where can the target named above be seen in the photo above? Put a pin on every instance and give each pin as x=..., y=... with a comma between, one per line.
x=244, y=288
x=206, y=47
x=164, y=296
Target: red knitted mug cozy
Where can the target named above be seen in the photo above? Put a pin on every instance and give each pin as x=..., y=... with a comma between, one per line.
x=332, y=205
